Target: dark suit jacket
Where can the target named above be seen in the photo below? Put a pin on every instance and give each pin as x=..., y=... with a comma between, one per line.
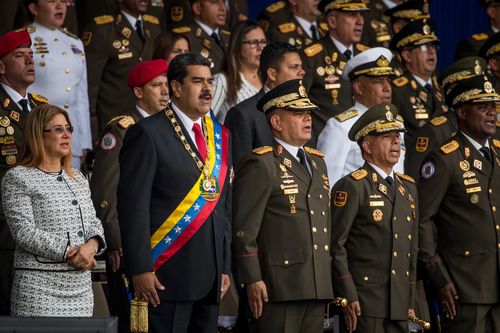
x=156, y=173
x=460, y=218
x=248, y=126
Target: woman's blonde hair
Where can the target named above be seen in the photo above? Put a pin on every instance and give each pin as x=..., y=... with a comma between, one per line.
x=33, y=150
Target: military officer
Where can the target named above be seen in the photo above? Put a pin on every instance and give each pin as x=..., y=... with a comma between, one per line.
x=370, y=75
x=17, y=73
x=237, y=10
x=471, y=45
x=149, y=83
x=406, y=12
x=301, y=26
x=281, y=244
x=374, y=230
x=416, y=93
x=460, y=223
x=325, y=60
x=206, y=36
x=114, y=44
x=377, y=30
x=491, y=52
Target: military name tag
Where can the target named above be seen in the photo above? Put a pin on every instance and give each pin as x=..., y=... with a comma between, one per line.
x=125, y=55
x=473, y=189
x=421, y=116
x=291, y=191
x=471, y=181
x=376, y=203
x=329, y=86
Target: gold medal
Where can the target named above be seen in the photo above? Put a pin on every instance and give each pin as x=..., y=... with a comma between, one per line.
x=209, y=188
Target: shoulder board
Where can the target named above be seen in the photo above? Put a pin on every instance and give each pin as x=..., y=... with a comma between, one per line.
x=150, y=19
x=406, y=177
x=323, y=26
x=103, y=19
x=439, y=120
x=498, y=123
x=480, y=37
x=313, y=151
x=401, y=81
x=359, y=174
x=181, y=30
x=348, y=114
x=275, y=7
x=450, y=147
x=225, y=32
x=313, y=50
x=361, y=47
x=286, y=27
x=40, y=98
x=126, y=121
x=496, y=143
x=263, y=150
x=67, y=33
x=31, y=28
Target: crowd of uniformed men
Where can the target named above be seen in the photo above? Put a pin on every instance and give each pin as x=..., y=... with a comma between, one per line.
x=361, y=176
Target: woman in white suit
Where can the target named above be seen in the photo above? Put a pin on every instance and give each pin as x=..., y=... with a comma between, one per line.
x=50, y=214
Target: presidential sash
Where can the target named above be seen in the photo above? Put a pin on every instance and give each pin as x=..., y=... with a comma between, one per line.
x=200, y=201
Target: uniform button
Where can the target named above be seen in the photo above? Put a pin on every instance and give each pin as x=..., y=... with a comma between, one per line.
x=67, y=71
x=314, y=229
x=315, y=246
x=325, y=230
x=80, y=233
x=407, y=273
x=59, y=178
x=394, y=219
x=140, y=59
x=393, y=272
x=408, y=255
x=467, y=253
x=56, y=39
x=365, y=278
x=499, y=245
x=497, y=227
x=285, y=262
x=68, y=88
x=104, y=204
x=490, y=190
x=308, y=195
x=326, y=247
x=321, y=196
x=396, y=236
x=312, y=212
x=323, y=213
x=66, y=106
x=408, y=218
x=74, y=202
x=409, y=237
x=494, y=208
x=395, y=253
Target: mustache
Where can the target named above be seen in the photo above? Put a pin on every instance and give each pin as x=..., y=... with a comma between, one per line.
x=205, y=94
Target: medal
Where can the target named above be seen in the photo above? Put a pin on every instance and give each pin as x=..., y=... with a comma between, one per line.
x=209, y=188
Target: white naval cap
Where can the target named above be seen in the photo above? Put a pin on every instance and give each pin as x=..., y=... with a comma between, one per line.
x=372, y=62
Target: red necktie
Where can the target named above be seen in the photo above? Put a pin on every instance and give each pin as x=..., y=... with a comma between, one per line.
x=200, y=141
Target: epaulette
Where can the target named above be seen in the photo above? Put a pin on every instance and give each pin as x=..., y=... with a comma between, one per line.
x=450, y=147
x=275, y=7
x=67, y=33
x=498, y=123
x=225, y=32
x=323, y=26
x=480, y=37
x=31, y=29
x=150, y=19
x=313, y=151
x=359, y=174
x=40, y=98
x=405, y=177
x=496, y=143
x=401, y=81
x=348, y=114
x=440, y=120
x=262, y=150
x=361, y=47
x=103, y=19
x=182, y=30
x=314, y=49
x=126, y=121
x=286, y=27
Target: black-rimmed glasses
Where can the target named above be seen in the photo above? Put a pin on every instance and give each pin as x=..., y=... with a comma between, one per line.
x=253, y=43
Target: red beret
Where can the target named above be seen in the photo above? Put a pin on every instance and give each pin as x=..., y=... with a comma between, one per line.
x=145, y=71
x=13, y=40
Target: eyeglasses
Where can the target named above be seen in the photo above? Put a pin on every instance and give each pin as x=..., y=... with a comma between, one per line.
x=60, y=129
x=253, y=43
x=428, y=47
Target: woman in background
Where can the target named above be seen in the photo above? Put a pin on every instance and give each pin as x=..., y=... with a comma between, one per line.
x=169, y=44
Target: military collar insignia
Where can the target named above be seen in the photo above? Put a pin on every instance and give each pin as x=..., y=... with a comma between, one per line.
x=382, y=188
x=6, y=102
x=374, y=177
x=126, y=32
x=279, y=149
x=287, y=162
x=478, y=164
x=15, y=115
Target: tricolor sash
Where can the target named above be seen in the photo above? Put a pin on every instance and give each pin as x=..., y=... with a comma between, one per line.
x=193, y=210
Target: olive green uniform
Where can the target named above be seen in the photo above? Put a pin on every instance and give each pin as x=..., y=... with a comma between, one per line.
x=281, y=235
x=470, y=46
x=377, y=28
x=374, y=246
x=460, y=230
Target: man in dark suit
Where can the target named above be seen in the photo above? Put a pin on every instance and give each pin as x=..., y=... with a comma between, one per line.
x=279, y=62
x=174, y=204
x=17, y=73
x=459, y=236
x=114, y=44
x=374, y=230
x=281, y=243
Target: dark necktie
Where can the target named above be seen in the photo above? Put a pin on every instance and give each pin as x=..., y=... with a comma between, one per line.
x=138, y=28
x=200, y=141
x=390, y=181
x=486, y=153
x=302, y=159
x=24, y=105
x=314, y=33
x=347, y=54
x=430, y=96
x=217, y=40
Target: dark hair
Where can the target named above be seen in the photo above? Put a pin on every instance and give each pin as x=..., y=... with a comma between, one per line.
x=165, y=42
x=272, y=56
x=232, y=65
x=177, y=69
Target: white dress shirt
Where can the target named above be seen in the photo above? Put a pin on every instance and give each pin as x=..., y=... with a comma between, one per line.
x=341, y=47
x=15, y=96
x=293, y=151
x=306, y=26
x=476, y=144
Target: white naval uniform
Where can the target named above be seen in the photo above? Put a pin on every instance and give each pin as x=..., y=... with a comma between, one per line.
x=61, y=76
x=343, y=156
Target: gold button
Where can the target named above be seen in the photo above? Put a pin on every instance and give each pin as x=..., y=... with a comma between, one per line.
x=285, y=262
x=326, y=247
x=67, y=71
x=490, y=190
x=497, y=227
x=499, y=245
x=394, y=219
x=140, y=59
x=321, y=196
x=308, y=195
x=66, y=106
x=240, y=233
x=104, y=204
x=396, y=236
x=314, y=229
x=365, y=278
x=325, y=230
x=395, y=253
x=312, y=212
x=408, y=218
x=393, y=272
x=68, y=88
x=408, y=255
x=315, y=246
x=407, y=273
x=494, y=208
x=409, y=237
x=467, y=253
x=323, y=213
